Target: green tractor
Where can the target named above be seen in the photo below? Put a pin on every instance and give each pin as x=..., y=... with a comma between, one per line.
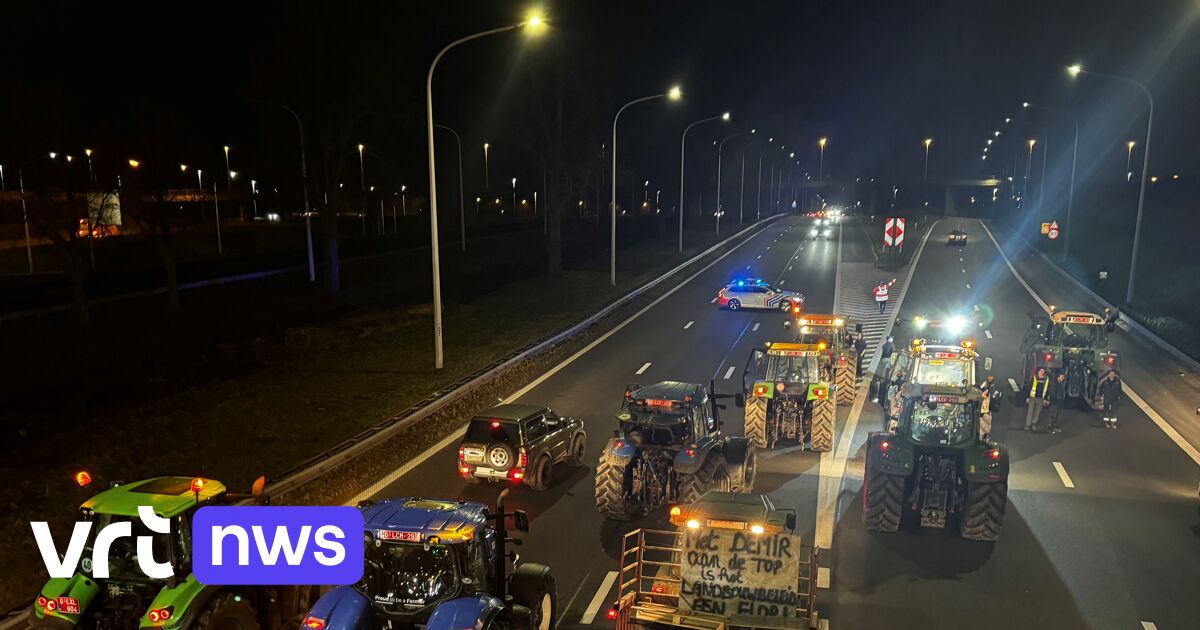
x=1074, y=344
x=936, y=465
x=127, y=598
x=790, y=397
x=828, y=332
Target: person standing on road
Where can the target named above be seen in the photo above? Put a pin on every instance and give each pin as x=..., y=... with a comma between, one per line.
x=985, y=415
x=988, y=386
x=881, y=294
x=885, y=352
x=1110, y=389
x=1058, y=398
x=1039, y=395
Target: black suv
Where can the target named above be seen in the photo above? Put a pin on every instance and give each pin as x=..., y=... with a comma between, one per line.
x=520, y=443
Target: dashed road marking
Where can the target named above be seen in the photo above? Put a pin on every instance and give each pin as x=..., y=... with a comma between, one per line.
x=968, y=285
x=768, y=247
x=789, y=267
x=1013, y=384
x=755, y=329
x=987, y=333
x=644, y=367
x=688, y=325
x=1062, y=474
x=714, y=301
x=960, y=260
x=964, y=271
x=598, y=599
x=747, y=267
x=976, y=307
x=1149, y=625
x=729, y=372
x=759, y=256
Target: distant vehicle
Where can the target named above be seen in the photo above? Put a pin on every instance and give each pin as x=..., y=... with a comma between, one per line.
x=756, y=293
x=440, y=564
x=935, y=463
x=822, y=228
x=668, y=448
x=1074, y=343
x=789, y=396
x=129, y=599
x=520, y=443
x=956, y=237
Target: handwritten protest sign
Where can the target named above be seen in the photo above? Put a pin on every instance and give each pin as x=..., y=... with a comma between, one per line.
x=752, y=579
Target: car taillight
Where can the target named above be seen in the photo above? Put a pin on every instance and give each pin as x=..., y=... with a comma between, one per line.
x=315, y=623
x=690, y=452
x=524, y=459
x=618, y=444
x=612, y=612
x=159, y=614
x=516, y=475
x=993, y=454
x=462, y=452
x=466, y=470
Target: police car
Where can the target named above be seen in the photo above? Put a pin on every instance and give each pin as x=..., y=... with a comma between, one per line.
x=756, y=293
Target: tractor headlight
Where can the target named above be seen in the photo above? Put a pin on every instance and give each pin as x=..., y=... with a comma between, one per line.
x=956, y=324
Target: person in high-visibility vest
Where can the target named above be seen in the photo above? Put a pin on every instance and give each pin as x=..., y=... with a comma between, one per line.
x=881, y=294
x=1039, y=396
x=1110, y=389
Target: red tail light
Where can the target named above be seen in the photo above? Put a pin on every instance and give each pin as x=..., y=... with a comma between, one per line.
x=41, y=601
x=315, y=623
x=619, y=444
x=993, y=454
x=690, y=452
x=516, y=475
x=1110, y=359
x=1048, y=357
x=495, y=424
x=462, y=452
x=524, y=459
x=760, y=390
x=159, y=614
x=612, y=612
x=885, y=446
x=466, y=470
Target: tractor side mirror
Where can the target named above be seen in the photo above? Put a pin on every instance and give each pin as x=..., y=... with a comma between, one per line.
x=790, y=521
x=520, y=520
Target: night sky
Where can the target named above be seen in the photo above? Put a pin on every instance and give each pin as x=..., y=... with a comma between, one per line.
x=172, y=82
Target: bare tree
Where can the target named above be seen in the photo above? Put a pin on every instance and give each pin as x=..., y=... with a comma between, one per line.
x=55, y=214
x=156, y=214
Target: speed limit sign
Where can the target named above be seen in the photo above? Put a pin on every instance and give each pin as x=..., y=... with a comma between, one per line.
x=1052, y=234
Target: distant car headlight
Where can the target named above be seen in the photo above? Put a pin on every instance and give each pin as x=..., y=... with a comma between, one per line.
x=828, y=231
x=812, y=232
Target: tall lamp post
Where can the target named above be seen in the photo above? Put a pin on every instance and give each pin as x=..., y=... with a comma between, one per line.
x=1074, y=155
x=533, y=22
x=675, y=93
x=683, y=148
x=1028, y=163
x=720, y=149
x=1128, y=158
x=1075, y=71
x=486, y=179
x=821, y=166
x=928, y=142
x=462, y=214
x=25, y=212
x=312, y=271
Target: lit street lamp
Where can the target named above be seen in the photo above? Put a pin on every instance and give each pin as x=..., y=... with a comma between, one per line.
x=682, y=162
x=674, y=94
x=929, y=141
x=514, y=193
x=1128, y=157
x=486, y=181
x=1028, y=161
x=534, y=23
x=720, y=149
x=821, y=166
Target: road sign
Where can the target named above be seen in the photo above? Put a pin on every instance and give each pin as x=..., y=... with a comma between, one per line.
x=1103, y=275
x=893, y=232
x=1054, y=225
x=1045, y=229
x=1052, y=234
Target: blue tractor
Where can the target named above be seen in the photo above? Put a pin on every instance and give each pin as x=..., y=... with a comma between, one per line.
x=443, y=565
x=669, y=448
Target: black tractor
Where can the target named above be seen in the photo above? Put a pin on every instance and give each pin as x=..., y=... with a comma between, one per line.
x=1072, y=343
x=668, y=448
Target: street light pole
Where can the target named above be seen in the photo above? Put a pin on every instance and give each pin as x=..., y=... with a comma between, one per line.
x=821, y=167
x=362, y=187
x=312, y=271
x=433, y=221
x=486, y=180
x=720, y=150
x=1071, y=187
x=928, y=141
x=674, y=94
x=1137, y=227
x=758, y=189
x=462, y=214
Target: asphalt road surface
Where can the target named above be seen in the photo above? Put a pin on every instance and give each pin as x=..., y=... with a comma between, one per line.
x=1102, y=527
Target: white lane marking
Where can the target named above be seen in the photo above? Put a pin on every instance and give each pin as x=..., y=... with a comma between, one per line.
x=768, y=247
x=960, y=260
x=833, y=465
x=822, y=577
x=714, y=301
x=782, y=281
x=789, y=267
x=976, y=307
x=688, y=325
x=578, y=590
x=987, y=333
x=644, y=367
x=456, y=435
x=1162, y=424
x=759, y=256
x=968, y=285
x=1062, y=474
x=1013, y=384
x=729, y=372
x=964, y=271
x=747, y=267
x=755, y=329
x=598, y=599
x=1149, y=625
x=1157, y=419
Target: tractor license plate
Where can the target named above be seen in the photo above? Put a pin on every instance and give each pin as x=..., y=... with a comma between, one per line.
x=473, y=455
x=68, y=605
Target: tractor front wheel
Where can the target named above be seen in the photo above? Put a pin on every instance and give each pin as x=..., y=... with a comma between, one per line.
x=846, y=379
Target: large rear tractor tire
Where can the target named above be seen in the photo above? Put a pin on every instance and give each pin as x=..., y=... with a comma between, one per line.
x=612, y=500
x=743, y=468
x=712, y=475
x=756, y=422
x=824, y=416
x=983, y=514
x=883, y=501
x=226, y=611
x=540, y=597
x=845, y=379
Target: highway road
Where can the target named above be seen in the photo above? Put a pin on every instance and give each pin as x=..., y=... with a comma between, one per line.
x=1102, y=528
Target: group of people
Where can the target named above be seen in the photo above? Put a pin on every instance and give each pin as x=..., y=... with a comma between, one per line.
x=1048, y=391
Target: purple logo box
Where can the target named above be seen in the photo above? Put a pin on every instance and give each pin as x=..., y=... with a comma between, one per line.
x=277, y=545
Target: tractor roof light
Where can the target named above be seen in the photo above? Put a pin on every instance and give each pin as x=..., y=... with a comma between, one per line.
x=83, y=478
x=693, y=523
x=197, y=485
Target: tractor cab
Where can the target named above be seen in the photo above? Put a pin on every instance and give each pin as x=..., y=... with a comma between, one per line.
x=939, y=415
x=940, y=364
x=667, y=414
x=787, y=369
x=754, y=513
x=827, y=331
